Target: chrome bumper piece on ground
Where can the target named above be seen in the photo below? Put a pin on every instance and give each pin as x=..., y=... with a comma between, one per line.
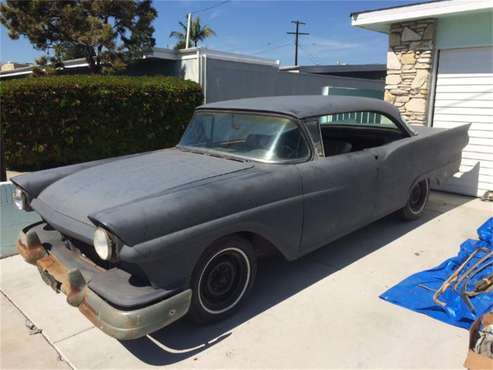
x=118, y=323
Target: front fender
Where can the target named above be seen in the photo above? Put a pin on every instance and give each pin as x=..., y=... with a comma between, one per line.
x=167, y=234
x=168, y=261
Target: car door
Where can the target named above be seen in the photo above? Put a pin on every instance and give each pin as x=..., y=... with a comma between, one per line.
x=339, y=193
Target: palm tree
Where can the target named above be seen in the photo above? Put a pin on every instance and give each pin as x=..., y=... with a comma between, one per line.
x=197, y=33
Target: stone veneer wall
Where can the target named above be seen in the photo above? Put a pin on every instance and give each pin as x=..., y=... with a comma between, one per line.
x=409, y=66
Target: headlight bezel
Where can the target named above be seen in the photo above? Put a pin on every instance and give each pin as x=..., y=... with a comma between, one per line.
x=106, y=245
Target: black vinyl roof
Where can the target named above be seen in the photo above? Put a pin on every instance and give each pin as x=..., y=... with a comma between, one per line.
x=304, y=106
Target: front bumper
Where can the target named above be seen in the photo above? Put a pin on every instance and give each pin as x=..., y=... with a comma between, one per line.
x=72, y=273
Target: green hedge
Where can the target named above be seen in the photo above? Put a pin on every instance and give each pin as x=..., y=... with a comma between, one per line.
x=53, y=121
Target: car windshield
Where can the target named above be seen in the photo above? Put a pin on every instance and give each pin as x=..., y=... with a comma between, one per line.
x=251, y=136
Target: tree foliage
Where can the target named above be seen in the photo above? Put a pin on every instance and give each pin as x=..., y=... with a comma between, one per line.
x=198, y=33
x=107, y=33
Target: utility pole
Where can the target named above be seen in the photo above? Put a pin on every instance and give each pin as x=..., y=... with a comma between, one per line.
x=296, y=34
x=189, y=21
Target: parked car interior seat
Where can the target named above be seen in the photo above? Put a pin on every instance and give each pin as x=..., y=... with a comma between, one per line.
x=340, y=140
x=335, y=147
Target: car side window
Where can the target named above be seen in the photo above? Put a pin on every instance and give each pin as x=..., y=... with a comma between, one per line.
x=350, y=132
x=362, y=119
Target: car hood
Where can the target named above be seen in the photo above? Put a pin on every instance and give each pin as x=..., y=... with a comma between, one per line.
x=127, y=180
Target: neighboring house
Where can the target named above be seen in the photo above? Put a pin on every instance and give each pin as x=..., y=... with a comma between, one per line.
x=22, y=70
x=224, y=75
x=440, y=73
x=10, y=66
x=230, y=76
x=363, y=71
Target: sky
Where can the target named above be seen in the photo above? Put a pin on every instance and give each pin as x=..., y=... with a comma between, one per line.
x=259, y=28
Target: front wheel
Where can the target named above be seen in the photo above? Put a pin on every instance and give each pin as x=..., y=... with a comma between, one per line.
x=418, y=198
x=222, y=279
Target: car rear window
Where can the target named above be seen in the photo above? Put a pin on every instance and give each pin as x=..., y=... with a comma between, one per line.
x=365, y=119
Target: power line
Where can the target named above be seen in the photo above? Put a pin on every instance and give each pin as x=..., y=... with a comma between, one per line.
x=270, y=48
x=211, y=7
x=310, y=56
x=297, y=33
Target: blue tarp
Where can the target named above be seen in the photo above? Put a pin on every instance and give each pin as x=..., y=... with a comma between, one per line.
x=416, y=291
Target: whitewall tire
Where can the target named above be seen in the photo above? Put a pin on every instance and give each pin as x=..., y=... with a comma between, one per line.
x=222, y=279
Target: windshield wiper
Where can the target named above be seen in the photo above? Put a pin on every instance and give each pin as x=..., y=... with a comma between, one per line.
x=214, y=154
x=218, y=155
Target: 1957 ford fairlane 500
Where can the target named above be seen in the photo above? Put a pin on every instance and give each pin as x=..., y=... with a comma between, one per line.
x=137, y=242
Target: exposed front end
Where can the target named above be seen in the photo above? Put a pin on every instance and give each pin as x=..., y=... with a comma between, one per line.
x=117, y=302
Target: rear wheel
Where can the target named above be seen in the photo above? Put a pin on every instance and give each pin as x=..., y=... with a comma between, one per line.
x=222, y=279
x=418, y=198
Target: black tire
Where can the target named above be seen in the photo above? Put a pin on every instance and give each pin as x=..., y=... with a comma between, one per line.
x=416, y=203
x=222, y=279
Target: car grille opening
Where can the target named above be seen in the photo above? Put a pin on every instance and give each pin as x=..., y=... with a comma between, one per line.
x=89, y=252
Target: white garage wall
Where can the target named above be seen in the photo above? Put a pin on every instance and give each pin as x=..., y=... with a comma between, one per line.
x=464, y=95
x=465, y=30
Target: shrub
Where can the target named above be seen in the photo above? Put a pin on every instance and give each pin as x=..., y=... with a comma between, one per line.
x=60, y=120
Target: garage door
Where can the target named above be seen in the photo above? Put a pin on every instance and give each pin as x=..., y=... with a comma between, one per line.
x=464, y=94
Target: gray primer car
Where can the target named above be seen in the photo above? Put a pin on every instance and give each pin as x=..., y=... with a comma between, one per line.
x=136, y=242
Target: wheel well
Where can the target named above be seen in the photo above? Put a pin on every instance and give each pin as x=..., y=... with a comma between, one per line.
x=262, y=246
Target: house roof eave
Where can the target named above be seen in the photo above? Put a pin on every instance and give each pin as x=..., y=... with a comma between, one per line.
x=380, y=19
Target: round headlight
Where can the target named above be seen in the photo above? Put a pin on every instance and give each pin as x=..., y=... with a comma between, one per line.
x=103, y=244
x=20, y=198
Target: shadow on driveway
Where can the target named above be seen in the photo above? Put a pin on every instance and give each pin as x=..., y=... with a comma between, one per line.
x=276, y=281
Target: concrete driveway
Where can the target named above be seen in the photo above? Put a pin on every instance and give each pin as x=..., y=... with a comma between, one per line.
x=322, y=311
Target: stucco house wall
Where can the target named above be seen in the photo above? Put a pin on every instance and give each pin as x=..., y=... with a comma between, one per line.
x=234, y=80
